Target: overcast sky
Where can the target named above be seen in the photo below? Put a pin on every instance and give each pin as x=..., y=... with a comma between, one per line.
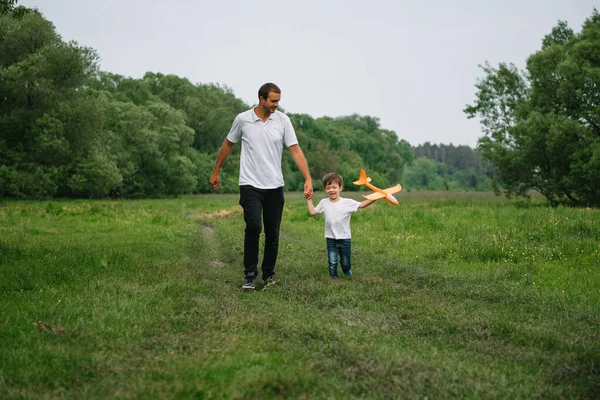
x=411, y=64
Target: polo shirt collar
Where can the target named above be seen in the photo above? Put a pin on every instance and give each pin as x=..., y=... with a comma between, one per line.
x=257, y=118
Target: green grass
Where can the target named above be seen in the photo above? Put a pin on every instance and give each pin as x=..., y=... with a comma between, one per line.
x=459, y=295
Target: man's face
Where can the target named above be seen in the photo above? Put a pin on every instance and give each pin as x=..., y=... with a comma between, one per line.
x=271, y=103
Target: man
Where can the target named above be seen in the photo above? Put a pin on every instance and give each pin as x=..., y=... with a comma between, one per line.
x=263, y=131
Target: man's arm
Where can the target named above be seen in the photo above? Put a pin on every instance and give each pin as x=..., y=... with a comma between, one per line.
x=221, y=157
x=300, y=160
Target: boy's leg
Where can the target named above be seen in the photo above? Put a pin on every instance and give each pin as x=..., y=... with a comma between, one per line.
x=332, y=257
x=251, y=200
x=272, y=210
x=345, y=246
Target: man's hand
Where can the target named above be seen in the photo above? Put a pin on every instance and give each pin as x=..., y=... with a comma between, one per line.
x=214, y=180
x=308, y=190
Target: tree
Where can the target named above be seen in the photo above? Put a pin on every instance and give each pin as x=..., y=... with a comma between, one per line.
x=6, y=6
x=542, y=126
x=423, y=173
x=9, y=7
x=39, y=75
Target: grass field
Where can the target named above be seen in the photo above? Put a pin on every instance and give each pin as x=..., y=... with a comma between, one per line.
x=454, y=295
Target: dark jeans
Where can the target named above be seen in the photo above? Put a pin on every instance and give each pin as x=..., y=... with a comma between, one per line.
x=261, y=205
x=343, y=248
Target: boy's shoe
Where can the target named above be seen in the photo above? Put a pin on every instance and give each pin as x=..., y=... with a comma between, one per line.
x=248, y=284
x=348, y=273
x=270, y=281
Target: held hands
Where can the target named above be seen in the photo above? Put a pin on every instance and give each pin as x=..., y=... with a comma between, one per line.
x=308, y=190
x=214, y=181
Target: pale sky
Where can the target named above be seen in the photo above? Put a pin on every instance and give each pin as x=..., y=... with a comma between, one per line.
x=411, y=64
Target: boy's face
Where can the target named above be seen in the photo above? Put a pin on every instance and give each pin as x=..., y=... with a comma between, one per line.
x=333, y=191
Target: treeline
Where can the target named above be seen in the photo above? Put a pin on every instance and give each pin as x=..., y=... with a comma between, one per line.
x=448, y=167
x=69, y=129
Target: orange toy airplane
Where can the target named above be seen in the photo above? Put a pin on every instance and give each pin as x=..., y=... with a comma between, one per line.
x=379, y=193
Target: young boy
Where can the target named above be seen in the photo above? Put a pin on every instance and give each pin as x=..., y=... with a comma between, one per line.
x=338, y=211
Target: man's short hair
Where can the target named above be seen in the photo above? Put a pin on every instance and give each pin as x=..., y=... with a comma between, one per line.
x=333, y=177
x=266, y=89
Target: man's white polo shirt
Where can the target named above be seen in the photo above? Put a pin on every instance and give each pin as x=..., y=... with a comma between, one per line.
x=262, y=147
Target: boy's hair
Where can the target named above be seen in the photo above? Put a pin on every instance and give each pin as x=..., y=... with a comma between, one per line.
x=266, y=89
x=333, y=177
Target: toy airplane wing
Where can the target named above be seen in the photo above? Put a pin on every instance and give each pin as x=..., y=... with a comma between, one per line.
x=379, y=195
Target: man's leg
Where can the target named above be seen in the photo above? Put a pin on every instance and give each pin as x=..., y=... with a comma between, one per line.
x=272, y=210
x=251, y=200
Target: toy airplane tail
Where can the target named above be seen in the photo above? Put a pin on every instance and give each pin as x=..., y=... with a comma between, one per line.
x=362, y=180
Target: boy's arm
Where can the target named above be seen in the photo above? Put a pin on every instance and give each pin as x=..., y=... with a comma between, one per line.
x=366, y=203
x=311, y=208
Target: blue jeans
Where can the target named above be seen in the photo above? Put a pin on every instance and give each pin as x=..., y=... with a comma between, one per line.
x=343, y=248
x=261, y=205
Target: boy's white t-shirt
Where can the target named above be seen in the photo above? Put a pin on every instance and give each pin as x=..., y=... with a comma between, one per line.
x=337, y=216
